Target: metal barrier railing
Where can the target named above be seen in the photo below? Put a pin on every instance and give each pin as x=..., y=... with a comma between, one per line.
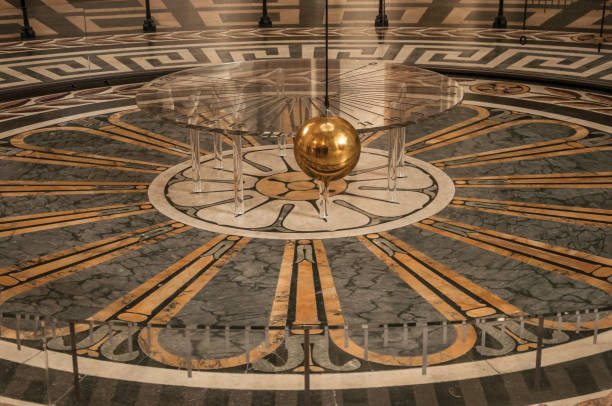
x=249, y=345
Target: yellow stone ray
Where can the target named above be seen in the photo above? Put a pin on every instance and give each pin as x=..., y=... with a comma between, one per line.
x=333, y=312
x=140, y=136
x=33, y=153
x=37, y=272
x=376, y=135
x=28, y=275
x=557, y=147
x=472, y=127
x=483, y=294
x=306, y=301
x=554, y=180
x=65, y=160
x=577, y=265
x=280, y=305
x=278, y=318
x=565, y=214
x=129, y=137
x=171, y=309
x=46, y=221
x=251, y=140
x=553, y=151
x=13, y=188
x=155, y=291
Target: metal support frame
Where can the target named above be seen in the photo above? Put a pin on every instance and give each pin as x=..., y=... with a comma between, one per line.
x=500, y=21
x=381, y=19
x=26, y=31
x=265, y=21
x=149, y=24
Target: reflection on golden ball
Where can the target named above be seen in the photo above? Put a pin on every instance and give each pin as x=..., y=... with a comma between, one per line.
x=327, y=148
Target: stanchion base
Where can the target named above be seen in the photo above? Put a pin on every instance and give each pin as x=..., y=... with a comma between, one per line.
x=381, y=21
x=265, y=22
x=149, y=25
x=500, y=22
x=27, y=33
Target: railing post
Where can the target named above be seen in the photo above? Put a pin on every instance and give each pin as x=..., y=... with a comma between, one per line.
x=47, y=376
x=381, y=19
x=307, y=366
x=26, y=31
x=149, y=24
x=500, y=21
x=75, y=363
x=265, y=21
x=538, y=366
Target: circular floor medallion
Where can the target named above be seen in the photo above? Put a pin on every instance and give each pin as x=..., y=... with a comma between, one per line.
x=281, y=202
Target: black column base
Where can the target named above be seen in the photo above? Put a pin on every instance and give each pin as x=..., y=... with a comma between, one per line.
x=27, y=33
x=500, y=22
x=265, y=22
x=149, y=25
x=381, y=21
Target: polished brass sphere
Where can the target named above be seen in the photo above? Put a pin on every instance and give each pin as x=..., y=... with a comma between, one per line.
x=327, y=148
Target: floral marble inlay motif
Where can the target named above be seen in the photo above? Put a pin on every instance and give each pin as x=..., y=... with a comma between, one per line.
x=281, y=202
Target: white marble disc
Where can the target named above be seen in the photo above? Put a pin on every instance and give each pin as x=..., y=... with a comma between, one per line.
x=281, y=202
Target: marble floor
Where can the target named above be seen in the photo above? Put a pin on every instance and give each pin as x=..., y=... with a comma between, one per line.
x=525, y=230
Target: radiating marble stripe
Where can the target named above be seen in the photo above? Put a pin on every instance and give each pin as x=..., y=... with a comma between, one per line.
x=333, y=312
x=46, y=221
x=55, y=156
x=415, y=268
x=557, y=147
x=278, y=315
x=578, y=180
x=567, y=214
x=28, y=275
x=37, y=188
x=472, y=127
x=139, y=136
x=583, y=267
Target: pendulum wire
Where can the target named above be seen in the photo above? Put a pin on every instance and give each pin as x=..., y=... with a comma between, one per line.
x=324, y=185
x=326, y=57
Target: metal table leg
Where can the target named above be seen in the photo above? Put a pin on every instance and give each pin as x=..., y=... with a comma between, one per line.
x=392, y=163
x=238, y=177
x=194, y=135
x=218, y=150
x=401, y=152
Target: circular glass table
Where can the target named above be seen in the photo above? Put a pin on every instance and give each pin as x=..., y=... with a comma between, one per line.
x=273, y=98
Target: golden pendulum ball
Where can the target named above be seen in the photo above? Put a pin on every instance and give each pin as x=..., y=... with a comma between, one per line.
x=327, y=148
